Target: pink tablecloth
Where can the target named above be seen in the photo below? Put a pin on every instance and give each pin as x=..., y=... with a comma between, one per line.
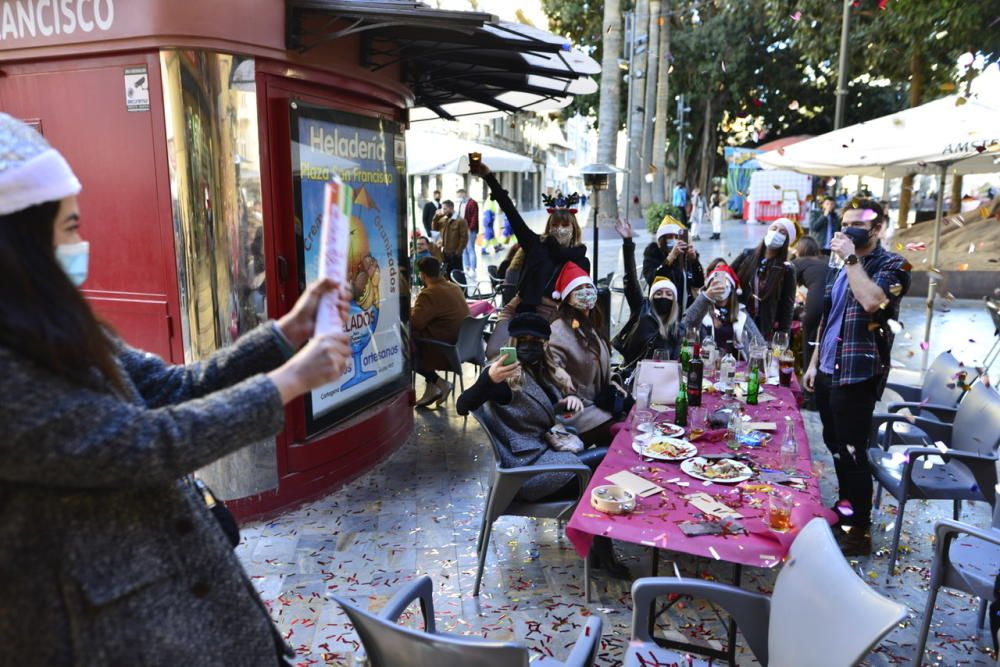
x=480, y=308
x=654, y=521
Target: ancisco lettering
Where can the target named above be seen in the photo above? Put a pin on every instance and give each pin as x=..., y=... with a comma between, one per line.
x=23, y=19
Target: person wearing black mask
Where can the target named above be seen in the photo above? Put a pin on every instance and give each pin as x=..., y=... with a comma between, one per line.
x=825, y=224
x=672, y=256
x=850, y=364
x=431, y=209
x=521, y=404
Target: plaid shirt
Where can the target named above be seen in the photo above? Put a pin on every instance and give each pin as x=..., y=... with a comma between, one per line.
x=865, y=341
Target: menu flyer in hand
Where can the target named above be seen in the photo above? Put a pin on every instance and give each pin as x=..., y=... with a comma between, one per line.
x=334, y=238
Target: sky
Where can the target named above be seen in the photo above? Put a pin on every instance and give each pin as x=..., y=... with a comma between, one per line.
x=505, y=9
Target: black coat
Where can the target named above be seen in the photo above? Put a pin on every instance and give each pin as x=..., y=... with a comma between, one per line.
x=811, y=273
x=687, y=271
x=774, y=313
x=430, y=210
x=544, y=258
x=641, y=335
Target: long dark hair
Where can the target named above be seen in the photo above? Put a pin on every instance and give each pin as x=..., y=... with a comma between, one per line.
x=43, y=317
x=770, y=282
x=589, y=328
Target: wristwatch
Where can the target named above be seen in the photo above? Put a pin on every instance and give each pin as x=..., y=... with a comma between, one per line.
x=851, y=260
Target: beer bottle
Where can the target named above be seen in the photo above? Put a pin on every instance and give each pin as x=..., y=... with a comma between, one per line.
x=685, y=356
x=753, y=386
x=681, y=407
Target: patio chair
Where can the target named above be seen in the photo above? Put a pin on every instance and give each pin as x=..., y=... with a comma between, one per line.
x=966, y=469
x=501, y=499
x=820, y=614
x=936, y=399
x=966, y=559
x=472, y=288
x=388, y=644
x=469, y=348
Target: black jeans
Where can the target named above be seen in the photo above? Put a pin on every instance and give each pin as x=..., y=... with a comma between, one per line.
x=846, y=413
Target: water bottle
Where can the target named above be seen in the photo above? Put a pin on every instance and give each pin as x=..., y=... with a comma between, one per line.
x=708, y=356
x=727, y=372
x=789, y=453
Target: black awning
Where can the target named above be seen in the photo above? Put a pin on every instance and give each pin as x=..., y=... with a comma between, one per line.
x=449, y=57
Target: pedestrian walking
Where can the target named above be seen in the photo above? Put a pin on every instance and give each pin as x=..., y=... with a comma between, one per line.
x=698, y=213
x=468, y=210
x=110, y=554
x=715, y=207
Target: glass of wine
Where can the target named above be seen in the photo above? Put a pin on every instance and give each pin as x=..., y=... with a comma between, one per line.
x=642, y=431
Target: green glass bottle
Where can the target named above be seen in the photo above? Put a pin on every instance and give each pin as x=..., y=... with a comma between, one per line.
x=685, y=356
x=681, y=406
x=753, y=386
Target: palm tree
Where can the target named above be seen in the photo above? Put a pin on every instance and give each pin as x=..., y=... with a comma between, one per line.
x=659, y=152
x=635, y=160
x=649, y=106
x=609, y=110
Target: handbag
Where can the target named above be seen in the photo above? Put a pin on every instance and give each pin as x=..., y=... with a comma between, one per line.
x=562, y=439
x=614, y=399
x=664, y=377
x=221, y=513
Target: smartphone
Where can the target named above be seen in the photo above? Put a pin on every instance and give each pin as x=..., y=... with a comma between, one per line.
x=509, y=355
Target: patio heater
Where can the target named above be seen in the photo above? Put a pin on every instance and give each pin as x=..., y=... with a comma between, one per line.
x=595, y=178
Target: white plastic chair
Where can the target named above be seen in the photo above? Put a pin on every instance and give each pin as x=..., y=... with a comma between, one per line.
x=820, y=614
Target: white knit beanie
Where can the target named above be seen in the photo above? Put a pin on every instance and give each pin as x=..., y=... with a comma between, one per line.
x=31, y=171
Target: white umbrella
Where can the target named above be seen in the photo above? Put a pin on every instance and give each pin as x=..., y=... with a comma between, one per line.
x=957, y=134
x=428, y=153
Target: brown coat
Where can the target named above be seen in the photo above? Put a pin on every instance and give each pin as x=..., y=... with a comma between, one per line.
x=438, y=313
x=454, y=233
x=588, y=371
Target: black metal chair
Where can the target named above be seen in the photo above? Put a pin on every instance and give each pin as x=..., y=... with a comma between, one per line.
x=472, y=288
x=964, y=469
x=469, y=348
x=501, y=499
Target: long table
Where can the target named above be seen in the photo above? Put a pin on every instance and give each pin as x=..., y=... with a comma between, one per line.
x=654, y=522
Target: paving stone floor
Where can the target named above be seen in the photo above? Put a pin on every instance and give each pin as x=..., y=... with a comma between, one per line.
x=418, y=513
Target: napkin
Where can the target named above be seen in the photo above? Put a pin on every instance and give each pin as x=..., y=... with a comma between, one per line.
x=760, y=426
x=711, y=506
x=643, y=488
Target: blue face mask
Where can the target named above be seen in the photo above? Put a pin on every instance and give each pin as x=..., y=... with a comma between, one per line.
x=74, y=258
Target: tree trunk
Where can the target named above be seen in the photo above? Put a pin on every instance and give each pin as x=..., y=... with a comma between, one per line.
x=609, y=108
x=705, y=170
x=636, y=114
x=955, y=205
x=649, y=105
x=916, y=92
x=659, y=152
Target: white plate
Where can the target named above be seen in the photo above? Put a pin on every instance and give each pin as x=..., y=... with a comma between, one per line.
x=665, y=429
x=690, y=467
x=687, y=449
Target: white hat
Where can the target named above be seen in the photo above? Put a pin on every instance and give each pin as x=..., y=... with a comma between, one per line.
x=670, y=225
x=31, y=171
x=791, y=228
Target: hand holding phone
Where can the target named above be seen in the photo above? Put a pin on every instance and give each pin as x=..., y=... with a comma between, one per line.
x=509, y=355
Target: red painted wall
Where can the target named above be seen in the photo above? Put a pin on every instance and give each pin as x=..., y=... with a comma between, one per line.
x=120, y=158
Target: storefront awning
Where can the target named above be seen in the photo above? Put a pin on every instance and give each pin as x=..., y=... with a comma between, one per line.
x=428, y=153
x=456, y=63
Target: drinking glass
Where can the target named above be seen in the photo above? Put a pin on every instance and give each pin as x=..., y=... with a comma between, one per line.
x=758, y=359
x=779, y=511
x=661, y=354
x=642, y=428
x=643, y=396
x=696, y=422
x=786, y=368
x=779, y=342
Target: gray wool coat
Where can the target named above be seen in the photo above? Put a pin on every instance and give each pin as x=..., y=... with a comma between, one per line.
x=108, y=556
x=519, y=420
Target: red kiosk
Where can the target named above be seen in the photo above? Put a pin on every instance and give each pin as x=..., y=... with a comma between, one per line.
x=203, y=132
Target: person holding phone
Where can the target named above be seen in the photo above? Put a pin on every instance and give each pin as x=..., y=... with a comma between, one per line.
x=110, y=555
x=672, y=256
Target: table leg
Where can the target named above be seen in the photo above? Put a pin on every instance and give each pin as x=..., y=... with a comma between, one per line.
x=654, y=570
x=586, y=575
x=737, y=577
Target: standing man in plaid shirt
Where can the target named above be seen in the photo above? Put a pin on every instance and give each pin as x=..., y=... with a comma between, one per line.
x=850, y=361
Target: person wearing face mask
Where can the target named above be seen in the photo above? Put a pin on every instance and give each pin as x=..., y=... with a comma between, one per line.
x=541, y=256
x=851, y=362
x=110, y=554
x=697, y=214
x=431, y=209
x=671, y=256
x=718, y=312
x=825, y=224
x=768, y=278
x=520, y=403
x=578, y=347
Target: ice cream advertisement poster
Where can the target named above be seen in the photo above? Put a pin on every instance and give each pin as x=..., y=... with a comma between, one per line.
x=358, y=153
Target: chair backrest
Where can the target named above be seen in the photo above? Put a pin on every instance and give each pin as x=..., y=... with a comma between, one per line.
x=459, y=278
x=941, y=387
x=482, y=415
x=822, y=613
x=390, y=645
x=977, y=423
x=471, y=345
x=493, y=272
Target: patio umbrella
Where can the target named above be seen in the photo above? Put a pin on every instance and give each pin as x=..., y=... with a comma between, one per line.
x=958, y=134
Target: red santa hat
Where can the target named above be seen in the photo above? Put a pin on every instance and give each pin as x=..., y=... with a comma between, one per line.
x=571, y=277
x=727, y=272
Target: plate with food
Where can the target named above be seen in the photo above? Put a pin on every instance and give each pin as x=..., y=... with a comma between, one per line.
x=723, y=471
x=662, y=448
x=665, y=429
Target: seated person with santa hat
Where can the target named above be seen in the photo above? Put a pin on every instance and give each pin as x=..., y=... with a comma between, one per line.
x=655, y=322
